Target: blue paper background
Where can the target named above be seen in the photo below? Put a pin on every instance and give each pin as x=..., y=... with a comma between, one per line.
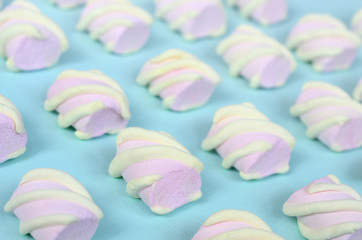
x=129, y=218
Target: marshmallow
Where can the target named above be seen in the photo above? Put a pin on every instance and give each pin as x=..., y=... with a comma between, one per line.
x=356, y=23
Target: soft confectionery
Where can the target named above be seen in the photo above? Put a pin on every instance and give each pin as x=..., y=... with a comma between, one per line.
x=356, y=23
x=13, y=136
x=357, y=93
x=29, y=39
x=327, y=210
x=193, y=19
x=157, y=169
x=93, y=103
x=235, y=224
x=325, y=42
x=121, y=26
x=331, y=115
x=262, y=60
x=248, y=141
x=183, y=81
x=266, y=12
x=68, y=3
x=52, y=205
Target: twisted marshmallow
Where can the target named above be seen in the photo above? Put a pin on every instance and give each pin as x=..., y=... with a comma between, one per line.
x=249, y=141
x=28, y=39
x=121, y=26
x=68, y=3
x=235, y=224
x=356, y=23
x=157, y=169
x=13, y=136
x=194, y=19
x=357, y=94
x=259, y=58
x=325, y=41
x=90, y=101
x=326, y=209
x=266, y=12
x=180, y=79
x=331, y=115
x=52, y=205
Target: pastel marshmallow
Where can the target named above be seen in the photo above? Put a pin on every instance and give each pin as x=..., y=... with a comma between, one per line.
x=248, y=141
x=183, y=81
x=357, y=93
x=325, y=42
x=52, y=205
x=356, y=23
x=266, y=12
x=157, y=169
x=330, y=115
x=29, y=39
x=262, y=60
x=13, y=135
x=121, y=26
x=194, y=19
x=68, y=3
x=235, y=224
x=326, y=210
x=93, y=103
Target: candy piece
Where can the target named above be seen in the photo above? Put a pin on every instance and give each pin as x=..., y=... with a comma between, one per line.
x=157, y=169
x=235, y=224
x=13, y=136
x=248, y=141
x=266, y=12
x=326, y=210
x=194, y=19
x=68, y=3
x=121, y=26
x=28, y=39
x=90, y=101
x=331, y=115
x=262, y=60
x=325, y=41
x=52, y=205
x=357, y=94
x=357, y=23
x=180, y=79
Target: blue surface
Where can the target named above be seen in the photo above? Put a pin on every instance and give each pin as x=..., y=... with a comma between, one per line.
x=88, y=161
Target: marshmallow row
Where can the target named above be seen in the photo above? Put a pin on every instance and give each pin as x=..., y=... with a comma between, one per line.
x=90, y=101
x=51, y=204
x=262, y=60
x=120, y=25
x=331, y=115
x=325, y=42
x=13, y=136
x=157, y=169
x=180, y=79
x=248, y=141
x=29, y=39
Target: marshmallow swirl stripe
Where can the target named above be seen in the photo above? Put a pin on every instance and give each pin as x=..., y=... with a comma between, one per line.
x=357, y=93
x=325, y=41
x=29, y=39
x=331, y=115
x=326, y=210
x=262, y=60
x=183, y=81
x=68, y=3
x=51, y=204
x=13, y=136
x=194, y=19
x=157, y=169
x=249, y=142
x=356, y=22
x=120, y=25
x=266, y=12
x=90, y=101
x=235, y=224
